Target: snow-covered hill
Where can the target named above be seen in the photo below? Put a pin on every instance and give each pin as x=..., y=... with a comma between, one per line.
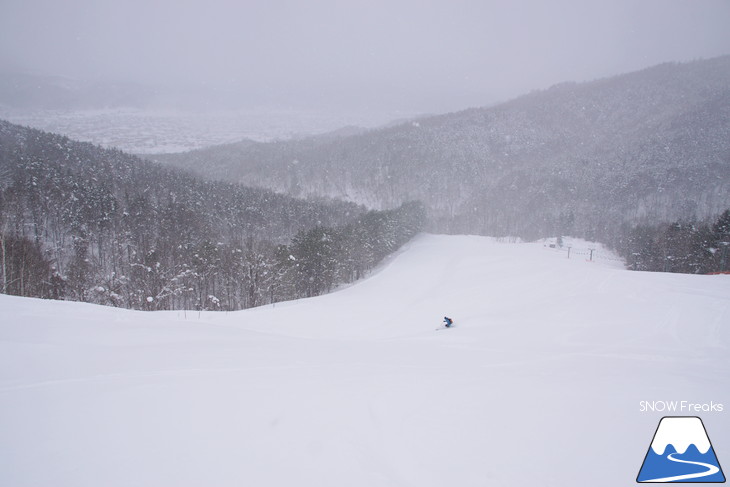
x=576, y=159
x=539, y=383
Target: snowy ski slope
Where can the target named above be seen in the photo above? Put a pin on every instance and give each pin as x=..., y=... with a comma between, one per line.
x=539, y=384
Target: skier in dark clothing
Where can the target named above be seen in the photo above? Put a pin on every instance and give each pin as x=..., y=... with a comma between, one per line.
x=448, y=322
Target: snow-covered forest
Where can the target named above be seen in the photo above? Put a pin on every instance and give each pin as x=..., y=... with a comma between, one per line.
x=83, y=223
x=380, y=243
x=581, y=159
x=689, y=247
x=640, y=162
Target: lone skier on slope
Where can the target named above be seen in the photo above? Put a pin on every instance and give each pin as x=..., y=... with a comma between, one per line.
x=448, y=322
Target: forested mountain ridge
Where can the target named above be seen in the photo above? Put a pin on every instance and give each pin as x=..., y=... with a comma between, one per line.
x=578, y=158
x=90, y=224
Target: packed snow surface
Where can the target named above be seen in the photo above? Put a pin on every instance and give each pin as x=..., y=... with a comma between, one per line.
x=538, y=384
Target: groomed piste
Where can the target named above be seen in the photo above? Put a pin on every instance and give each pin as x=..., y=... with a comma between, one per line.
x=539, y=382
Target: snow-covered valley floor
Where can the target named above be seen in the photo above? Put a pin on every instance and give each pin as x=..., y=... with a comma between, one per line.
x=539, y=383
x=141, y=131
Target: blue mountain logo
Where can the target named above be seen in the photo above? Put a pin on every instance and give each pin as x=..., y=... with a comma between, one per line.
x=681, y=452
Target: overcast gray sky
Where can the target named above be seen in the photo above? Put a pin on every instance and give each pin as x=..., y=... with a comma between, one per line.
x=427, y=56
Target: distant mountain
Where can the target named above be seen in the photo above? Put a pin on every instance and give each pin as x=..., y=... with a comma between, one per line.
x=578, y=159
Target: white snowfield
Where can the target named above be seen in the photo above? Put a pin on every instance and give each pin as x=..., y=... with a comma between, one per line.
x=538, y=384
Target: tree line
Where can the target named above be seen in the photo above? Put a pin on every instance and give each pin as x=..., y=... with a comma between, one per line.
x=83, y=223
x=688, y=247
